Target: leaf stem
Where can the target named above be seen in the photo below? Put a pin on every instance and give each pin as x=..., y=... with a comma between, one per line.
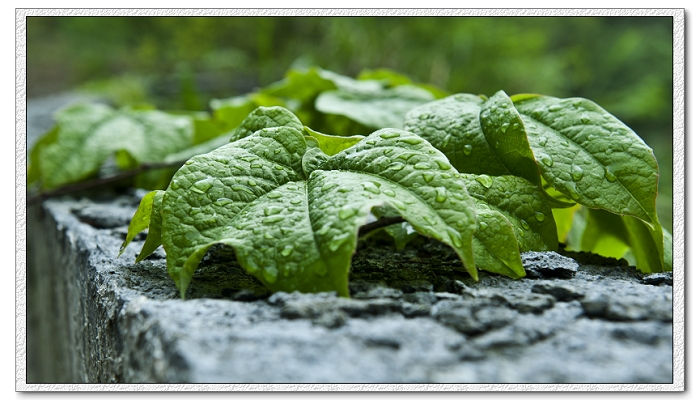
x=380, y=223
x=99, y=182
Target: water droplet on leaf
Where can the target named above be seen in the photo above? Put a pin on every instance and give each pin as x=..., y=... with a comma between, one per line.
x=389, y=135
x=525, y=224
x=576, y=172
x=485, y=180
x=337, y=241
x=287, y=250
x=546, y=160
x=273, y=219
x=440, y=194
x=467, y=150
x=346, y=212
x=371, y=187
x=396, y=166
x=539, y=216
x=428, y=176
x=421, y=166
x=609, y=175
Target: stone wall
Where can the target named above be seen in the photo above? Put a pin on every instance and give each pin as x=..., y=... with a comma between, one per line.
x=413, y=316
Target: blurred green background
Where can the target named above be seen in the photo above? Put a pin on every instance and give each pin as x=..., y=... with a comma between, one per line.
x=622, y=63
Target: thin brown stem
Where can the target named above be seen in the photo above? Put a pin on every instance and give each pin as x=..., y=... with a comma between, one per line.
x=100, y=182
x=380, y=223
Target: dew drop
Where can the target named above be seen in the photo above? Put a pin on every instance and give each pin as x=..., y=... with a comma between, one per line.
x=344, y=189
x=370, y=142
x=504, y=127
x=421, y=166
x=286, y=231
x=423, y=116
x=295, y=201
x=524, y=224
x=399, y=205
x=585, y=118
x=223, y=201
x=516, y=125
x=324, y=229
x=455, y=237
x=203, y=185
x=411, y=140
x=274, y=194
x=443, y=165
x=554, y=108
x=368, y=186
x=467, y=150
x=196, y=190
x=441, y=194
x=287, y=250
x=571, y=188
x=483, y=226
x=390, y=193
x=396, y=166
x=521, y=232
x=546, y=160
x=270, y=274
x=252, y=183
x=609, y=175
x=328, y=186
x=268, y=236
x=273, y=219
x=539, y=216
x=272, y=210
x=337, y=241
x=346, y=212
x=608, y=152
x=278, y=151
x=542, y=141
x=387, y=151
x=485, y=180
x=497, y=144
x=389, y=135
x=255, y=165
x=428, y=176
x=278, y=167
x=576, y=172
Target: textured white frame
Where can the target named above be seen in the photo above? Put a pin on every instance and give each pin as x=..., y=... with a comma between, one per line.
x=678, y=199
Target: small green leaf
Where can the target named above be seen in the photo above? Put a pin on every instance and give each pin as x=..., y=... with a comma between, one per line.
x=592, y=157
x=155, y=225
x=332, y=144
x=266, y=117
x=382, y=108
x=141, y=220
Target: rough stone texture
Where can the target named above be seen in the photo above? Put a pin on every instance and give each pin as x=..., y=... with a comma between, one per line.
x=414, y=316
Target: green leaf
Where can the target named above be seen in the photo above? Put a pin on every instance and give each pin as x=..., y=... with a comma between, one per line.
x=479, y=136
x=380, y=108
x=612, y=235
x=330, y=144
x=88, y=134
x=589, y=155
x=34, y=168
x=146, y=216
x=605, y=234
x=393, y=78
x=513, y=216
x=564, y=218
x=298, y=233
x=266, y=117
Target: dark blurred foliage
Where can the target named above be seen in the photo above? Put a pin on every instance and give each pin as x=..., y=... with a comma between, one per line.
x=622, y=63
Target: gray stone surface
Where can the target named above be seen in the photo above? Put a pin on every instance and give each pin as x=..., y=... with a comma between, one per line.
x=413, y=316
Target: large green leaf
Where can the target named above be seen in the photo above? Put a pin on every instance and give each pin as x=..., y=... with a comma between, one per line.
x=296, y=229
x=87, y=134
x=331, y=144
x=591, y=156
x=478, y=135
x=380, y=108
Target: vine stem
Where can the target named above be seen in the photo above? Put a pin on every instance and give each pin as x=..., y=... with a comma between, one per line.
x=99, y=182
x=380, y=223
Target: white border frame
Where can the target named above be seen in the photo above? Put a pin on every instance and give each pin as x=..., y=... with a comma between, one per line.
x=678, y=199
